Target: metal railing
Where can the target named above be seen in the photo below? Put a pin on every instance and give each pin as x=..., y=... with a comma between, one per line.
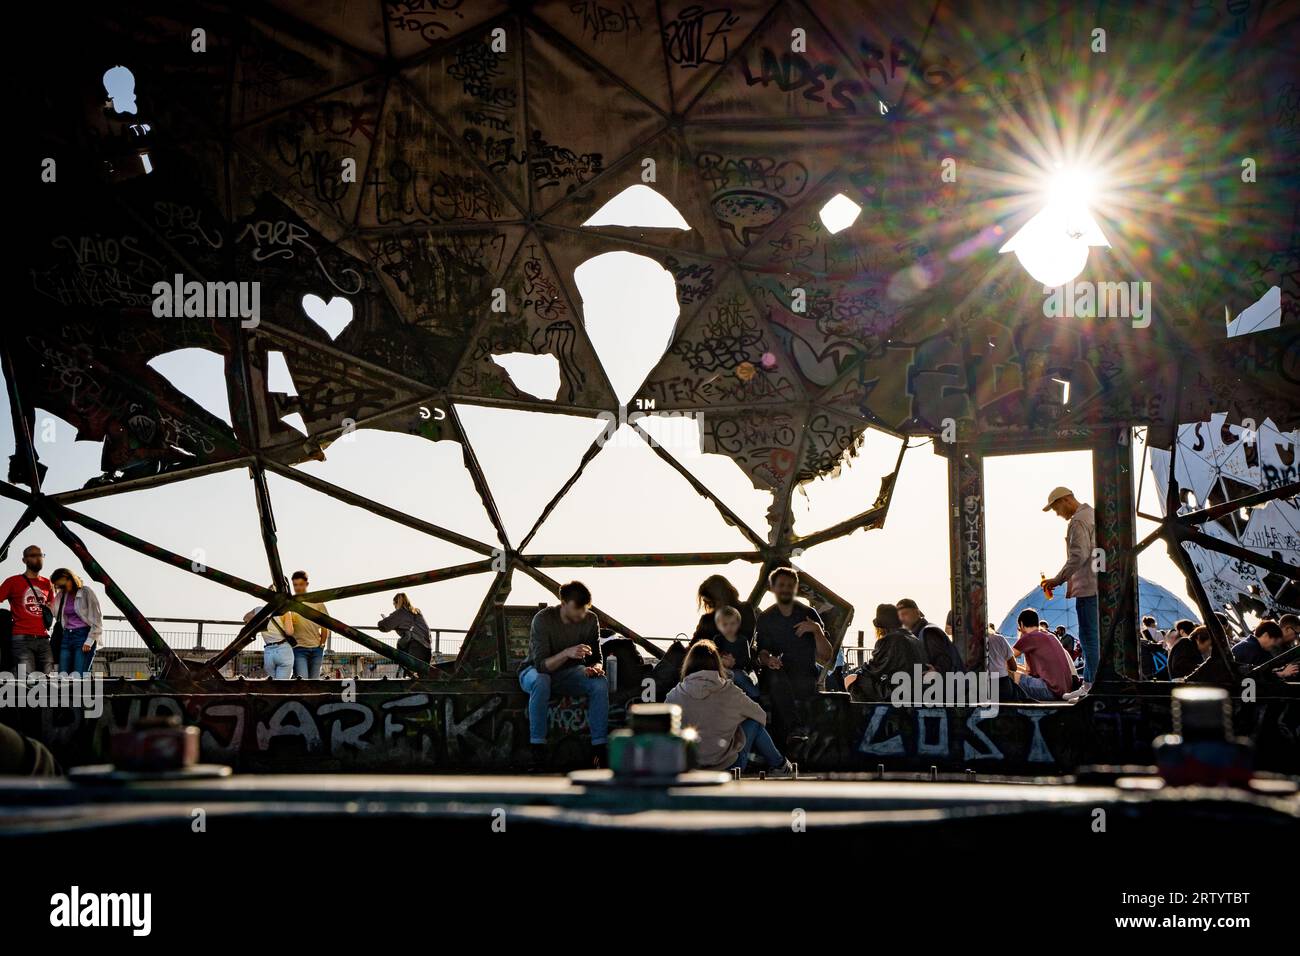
x=207, y=634
x=124, y=653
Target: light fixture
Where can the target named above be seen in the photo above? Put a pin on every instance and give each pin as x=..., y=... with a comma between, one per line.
x=1053, y=245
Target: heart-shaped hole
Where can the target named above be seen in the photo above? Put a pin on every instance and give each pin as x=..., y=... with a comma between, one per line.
x=333, y=316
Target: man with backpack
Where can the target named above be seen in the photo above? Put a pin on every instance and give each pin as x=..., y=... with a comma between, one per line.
x=940, y=652
x=31, y=601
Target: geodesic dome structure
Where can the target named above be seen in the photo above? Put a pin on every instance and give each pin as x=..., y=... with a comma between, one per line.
x=1153, y=599
x=436, y=165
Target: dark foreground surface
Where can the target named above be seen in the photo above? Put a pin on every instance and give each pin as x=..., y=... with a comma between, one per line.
x=863, y=859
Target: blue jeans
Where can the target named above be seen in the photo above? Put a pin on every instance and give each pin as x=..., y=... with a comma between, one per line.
x=306, y=661
x=72, y=659
x=745, y=683
x=1089, y=636
x=758, y=740
x=278, y=661
x=1035, y=688
x=567, y=682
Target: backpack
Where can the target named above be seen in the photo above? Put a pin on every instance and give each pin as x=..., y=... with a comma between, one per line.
x=629, y=662
x=668, y=670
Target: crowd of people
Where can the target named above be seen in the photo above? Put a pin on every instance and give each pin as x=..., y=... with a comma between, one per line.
x=747, y=677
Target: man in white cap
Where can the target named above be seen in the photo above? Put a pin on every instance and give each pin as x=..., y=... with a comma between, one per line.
x=1079, y=574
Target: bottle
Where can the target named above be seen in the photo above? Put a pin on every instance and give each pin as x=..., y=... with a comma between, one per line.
x=1042, y=583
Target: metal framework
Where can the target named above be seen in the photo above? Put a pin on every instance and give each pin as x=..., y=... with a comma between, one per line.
x=477, y=166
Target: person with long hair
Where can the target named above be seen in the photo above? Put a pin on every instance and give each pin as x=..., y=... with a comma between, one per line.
x=413, y=632
x=729, y=624
x=78, y=613
x=729, y=726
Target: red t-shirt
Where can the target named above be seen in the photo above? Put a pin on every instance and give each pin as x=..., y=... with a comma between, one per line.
x=25, y=605
x=1047, y=659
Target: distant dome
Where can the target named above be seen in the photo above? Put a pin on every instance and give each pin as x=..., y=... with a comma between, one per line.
x=1152, y=599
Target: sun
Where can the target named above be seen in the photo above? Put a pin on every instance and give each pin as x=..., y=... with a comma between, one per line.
x=1053, y=245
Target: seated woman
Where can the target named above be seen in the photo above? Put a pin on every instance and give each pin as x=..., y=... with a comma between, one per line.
x=728, y=724
x=729, y=624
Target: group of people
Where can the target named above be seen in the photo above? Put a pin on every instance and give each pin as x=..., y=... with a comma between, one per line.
x=717, y=691
x=294, y=645
x=783, y=656
x=1194, y=653
x=57, y=623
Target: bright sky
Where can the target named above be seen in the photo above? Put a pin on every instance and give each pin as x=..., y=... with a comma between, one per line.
x=628, y=501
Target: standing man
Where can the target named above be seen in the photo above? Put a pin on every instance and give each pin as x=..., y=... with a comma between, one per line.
x=791, y=642
x=309, y=637
x=940, y=653
x=1078, y=574
x=31, y=601
x=564, y=660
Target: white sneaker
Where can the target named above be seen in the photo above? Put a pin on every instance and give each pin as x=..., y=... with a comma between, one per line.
x=781, y=773
x=1077, y=694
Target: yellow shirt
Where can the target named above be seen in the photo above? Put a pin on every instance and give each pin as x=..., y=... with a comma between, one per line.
x=306, y=633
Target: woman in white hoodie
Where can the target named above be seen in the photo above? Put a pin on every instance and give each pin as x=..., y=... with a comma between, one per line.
x=83, y=624
x=729, y=726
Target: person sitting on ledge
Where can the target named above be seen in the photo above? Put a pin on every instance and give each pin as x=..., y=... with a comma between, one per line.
x=791, y=642
x=717, y=594
x=1069, y=642
x=1184, y=656
x=728, y=724
x=564, y=660
x=1215, y=656
x=896, y=651
x=733, y=648
x=940, y=652
x=1048, y=673
x=1266, y=643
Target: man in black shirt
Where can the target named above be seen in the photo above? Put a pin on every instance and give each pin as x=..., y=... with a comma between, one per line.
x=1265, y=644
x=897, y=651
x=940, y=653
x=791, y=642
x=1214, y=667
